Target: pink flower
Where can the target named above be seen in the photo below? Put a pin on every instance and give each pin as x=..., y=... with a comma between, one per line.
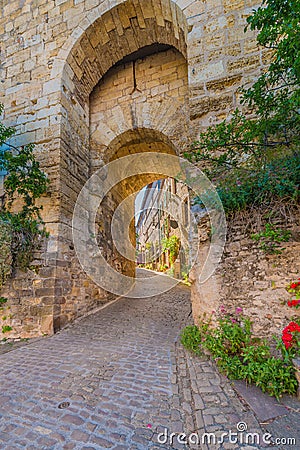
x=238, y=310
x=222, y=309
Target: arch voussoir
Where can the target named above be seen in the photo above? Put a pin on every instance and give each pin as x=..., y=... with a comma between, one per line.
x=122, y=30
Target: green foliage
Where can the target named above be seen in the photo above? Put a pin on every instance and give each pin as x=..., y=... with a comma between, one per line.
x=163, y=267
x=241, y=356
x=191, y=339
x=270, y=239
x=3, y=300
x=24, y=183
x=276, y=95
x=243, y=179
x=229, y=338
x=172, y=244
x=185, y=278
x=294, y=289
x=24, y=178
x=253, y=160
x=148, y=245
x=261, y=185
x=6, y=329
x=273, y=376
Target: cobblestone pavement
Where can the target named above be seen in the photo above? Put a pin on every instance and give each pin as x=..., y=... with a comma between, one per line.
x=119, y=380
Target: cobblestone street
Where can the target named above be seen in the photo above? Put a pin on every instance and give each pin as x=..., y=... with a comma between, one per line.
x=117, y=379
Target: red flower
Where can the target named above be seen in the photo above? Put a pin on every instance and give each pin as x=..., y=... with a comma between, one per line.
x=293, y=326
x=292, y=303
x=287, y=339
x=293, y=285
x=287, y=336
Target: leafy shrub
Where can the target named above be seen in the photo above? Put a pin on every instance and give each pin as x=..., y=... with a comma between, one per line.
x=294, y=289
x=270, y=239
x=185, y=278
x=290, y=339
x=253, y=155
x=172, y=244
x=241, y=356
x=6, y=329
x=25, y=181
x=191, y=338
x=272, y=375
x=170, y=272
x=260, y=184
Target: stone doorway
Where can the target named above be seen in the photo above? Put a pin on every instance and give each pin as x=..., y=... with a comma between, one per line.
x=124, y=96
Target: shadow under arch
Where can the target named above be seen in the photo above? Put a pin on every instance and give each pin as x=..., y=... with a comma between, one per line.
x=139, y=140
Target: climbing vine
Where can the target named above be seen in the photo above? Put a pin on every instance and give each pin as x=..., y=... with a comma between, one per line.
x=21, y=225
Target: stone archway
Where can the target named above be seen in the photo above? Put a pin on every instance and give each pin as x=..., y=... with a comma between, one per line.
x=51, y=72
x=110, y=33
x=120, y=31
x=122, y=196
x=115, y=104
x=126, y=28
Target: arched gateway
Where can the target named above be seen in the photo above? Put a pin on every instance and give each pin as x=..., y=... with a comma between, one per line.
x=124, y=90
x=126, y=77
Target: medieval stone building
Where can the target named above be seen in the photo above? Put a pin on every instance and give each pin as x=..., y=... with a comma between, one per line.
x=89, y=81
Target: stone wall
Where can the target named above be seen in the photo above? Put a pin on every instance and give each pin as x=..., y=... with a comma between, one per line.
x=29, y=311
x=248, y=277
x=5, y=252
x=146, y=93
x=53, y=55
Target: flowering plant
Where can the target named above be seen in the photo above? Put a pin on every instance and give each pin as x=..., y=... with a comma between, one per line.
x=291, y=338
x=240, y=355
x=294, y=303
x=294, y=288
